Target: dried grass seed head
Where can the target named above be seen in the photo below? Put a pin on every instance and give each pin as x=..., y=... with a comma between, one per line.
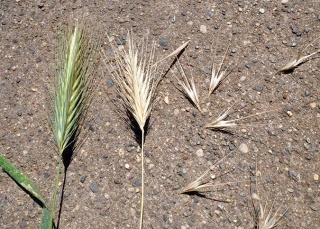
x=136, y=75
x=299, y=59
x=217, y=74
x=188, y=86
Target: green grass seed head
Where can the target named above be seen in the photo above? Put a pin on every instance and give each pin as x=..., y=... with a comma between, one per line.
x=74, y=74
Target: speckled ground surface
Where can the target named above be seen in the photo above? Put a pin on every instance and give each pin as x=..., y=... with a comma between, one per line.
x=103, y=181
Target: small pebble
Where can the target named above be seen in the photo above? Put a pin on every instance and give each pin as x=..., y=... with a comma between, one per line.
x=40, y=5
x=190, y=23
x=231, y=147
x=284, y=1
x=203, y=29
x=294, y=30
x=316, y=177
x=118, y=42
x=110, y=82
x=163, y=42
x=261, y=10
x=38, y=59
x=94, y=187
x=166, y=100
x=313, y=105
x=307, y=93
x=269, y=27
x=24, y=152
x=136, y=183
x=199, y=153
x=83, y=179
x=258, y=87
x=176, y=112
x=210, y=14
x=127, y=166
x=243, y=148
x=217, y=212
x=289, y=113
x=294, y=44
x=290, y=190
x=318, y=17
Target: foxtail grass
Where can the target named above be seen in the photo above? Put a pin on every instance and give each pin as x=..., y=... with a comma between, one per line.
x=75, y=70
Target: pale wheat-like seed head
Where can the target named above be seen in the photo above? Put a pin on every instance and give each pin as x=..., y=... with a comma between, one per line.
x=75, y=70
x=137, y=78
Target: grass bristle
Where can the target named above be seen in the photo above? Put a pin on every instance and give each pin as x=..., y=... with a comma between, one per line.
x=75, y=74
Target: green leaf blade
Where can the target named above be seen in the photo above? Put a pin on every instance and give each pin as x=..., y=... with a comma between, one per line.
x=46, y=222
x=28, y=185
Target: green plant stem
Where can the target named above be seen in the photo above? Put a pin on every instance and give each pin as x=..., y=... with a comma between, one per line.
x=142, y=179
x=55, y=192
